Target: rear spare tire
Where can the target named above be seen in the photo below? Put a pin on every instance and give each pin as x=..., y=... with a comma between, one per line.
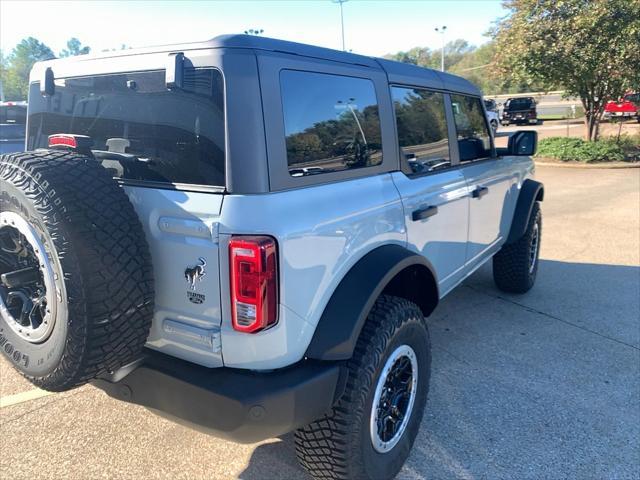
x=76, y=280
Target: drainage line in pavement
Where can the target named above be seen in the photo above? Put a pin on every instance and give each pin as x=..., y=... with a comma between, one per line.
x=533, y=310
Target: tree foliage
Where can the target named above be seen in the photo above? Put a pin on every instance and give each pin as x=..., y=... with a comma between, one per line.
x=468, y=61
x=15, y=68
x=590, y=47
x=74, y=47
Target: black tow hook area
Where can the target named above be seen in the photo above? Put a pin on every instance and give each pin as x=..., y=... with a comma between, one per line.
x=20, y=278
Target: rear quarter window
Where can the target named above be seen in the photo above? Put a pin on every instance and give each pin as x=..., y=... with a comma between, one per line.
x=141, y=130
x=332, y=123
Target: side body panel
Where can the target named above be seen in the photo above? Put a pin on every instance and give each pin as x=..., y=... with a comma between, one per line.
x=486, y=212
x=442, y=237
x=322, y=231
x=490, y=216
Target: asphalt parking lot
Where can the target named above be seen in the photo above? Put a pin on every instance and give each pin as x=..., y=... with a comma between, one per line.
x=540, y=386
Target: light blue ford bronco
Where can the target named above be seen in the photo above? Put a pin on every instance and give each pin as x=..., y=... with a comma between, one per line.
x=246, y=235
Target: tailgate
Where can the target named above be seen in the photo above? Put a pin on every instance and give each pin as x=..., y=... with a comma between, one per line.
x=182, y=232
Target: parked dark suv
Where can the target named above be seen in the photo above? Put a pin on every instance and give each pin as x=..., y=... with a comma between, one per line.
x=13, y=121
x=519, y=110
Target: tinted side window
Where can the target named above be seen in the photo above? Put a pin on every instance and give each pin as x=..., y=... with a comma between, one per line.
x=519, y=104
x=474, y=140
x=331, y=123
x=422, y=129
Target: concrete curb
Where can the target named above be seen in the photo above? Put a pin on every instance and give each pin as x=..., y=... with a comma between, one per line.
x=604, y=165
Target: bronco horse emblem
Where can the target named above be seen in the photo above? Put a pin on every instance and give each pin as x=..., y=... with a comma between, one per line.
x=196, y=273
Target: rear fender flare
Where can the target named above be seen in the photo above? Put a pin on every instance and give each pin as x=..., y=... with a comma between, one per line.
x=340, y=325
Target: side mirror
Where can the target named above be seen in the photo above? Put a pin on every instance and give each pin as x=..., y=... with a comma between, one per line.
x=523, y=143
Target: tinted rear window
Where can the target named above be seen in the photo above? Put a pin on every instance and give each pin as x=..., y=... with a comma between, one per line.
x=13, y=114
x=140, y=130
x=519, y=104
x=331, y=123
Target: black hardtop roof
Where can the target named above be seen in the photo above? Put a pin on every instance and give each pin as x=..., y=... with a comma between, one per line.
x=392, y=68
x=397, y=72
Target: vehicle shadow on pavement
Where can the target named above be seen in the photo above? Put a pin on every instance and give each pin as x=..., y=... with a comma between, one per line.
x=275, y=461
x=541, y=385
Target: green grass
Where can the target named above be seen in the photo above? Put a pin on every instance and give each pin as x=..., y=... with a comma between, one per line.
x=556, y=116
x=563, y=116
x=608, y=149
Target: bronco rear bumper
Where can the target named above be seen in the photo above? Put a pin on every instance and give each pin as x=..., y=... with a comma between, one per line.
x=239, y=405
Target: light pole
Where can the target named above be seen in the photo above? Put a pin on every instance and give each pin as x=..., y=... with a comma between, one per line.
x=350, y=104
x=441, y=31
x=340, y=2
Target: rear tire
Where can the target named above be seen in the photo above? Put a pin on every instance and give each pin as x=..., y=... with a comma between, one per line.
x=63, y=216
x=515, y=266
x=356, y=440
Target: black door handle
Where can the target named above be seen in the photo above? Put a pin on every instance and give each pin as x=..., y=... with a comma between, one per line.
x=479, y=192
x=423, y=213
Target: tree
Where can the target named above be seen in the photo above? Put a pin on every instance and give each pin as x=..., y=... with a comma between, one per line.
x=590, y=47
x=468, y=61
x=74, y=47
x=15, y=68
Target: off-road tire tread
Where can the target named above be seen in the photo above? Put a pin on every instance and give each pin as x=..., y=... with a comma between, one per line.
x=321, y=445
x=95, y=228
x=511, y=263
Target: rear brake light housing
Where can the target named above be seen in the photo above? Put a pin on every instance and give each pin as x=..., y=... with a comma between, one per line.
x=79, y=143
x=254, y=282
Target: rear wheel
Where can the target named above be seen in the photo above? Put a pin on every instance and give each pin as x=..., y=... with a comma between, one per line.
x=76, y=286
x=371, y=429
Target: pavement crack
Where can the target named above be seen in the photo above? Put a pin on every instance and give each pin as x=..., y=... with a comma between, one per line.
x=553, y=317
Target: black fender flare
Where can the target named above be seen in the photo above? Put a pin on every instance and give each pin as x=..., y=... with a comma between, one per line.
x=530, y=192
x=344, y=316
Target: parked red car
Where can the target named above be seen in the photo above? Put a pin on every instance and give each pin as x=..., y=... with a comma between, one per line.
x=627, y=107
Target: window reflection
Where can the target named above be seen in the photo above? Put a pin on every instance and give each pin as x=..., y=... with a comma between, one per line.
x=422, y=129
x=331, y=123
x=474, y=140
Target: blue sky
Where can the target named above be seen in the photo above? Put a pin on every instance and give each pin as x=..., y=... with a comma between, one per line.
x=371, y=27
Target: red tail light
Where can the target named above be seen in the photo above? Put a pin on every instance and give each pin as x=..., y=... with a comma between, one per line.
x=61, y=140
x=80, y=143
x=254, y=282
